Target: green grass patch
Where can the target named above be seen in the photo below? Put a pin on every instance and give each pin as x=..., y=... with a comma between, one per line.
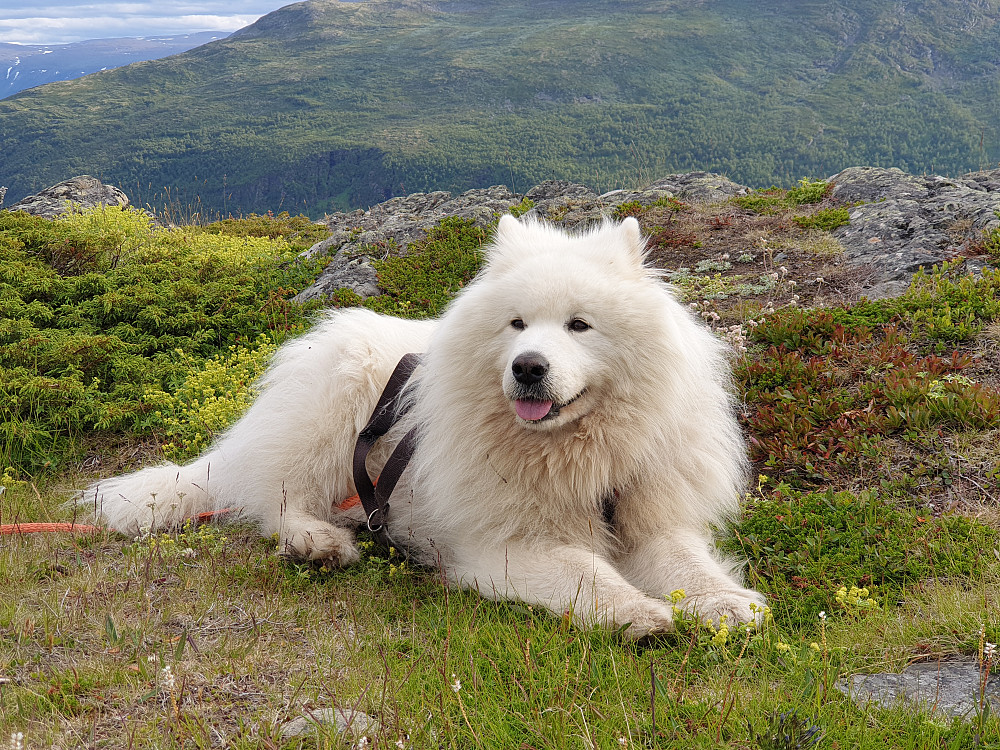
x=774, y=200
x=804, y=547
x=826, y=219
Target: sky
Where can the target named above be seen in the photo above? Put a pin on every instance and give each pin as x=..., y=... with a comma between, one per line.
x=62, y=21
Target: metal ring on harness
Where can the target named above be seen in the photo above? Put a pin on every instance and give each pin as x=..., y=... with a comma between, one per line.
x=381, y=526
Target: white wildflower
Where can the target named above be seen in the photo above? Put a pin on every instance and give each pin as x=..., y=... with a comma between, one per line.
x=17, y=741
x=822, y=616
x=167, y=674
x=456, y=685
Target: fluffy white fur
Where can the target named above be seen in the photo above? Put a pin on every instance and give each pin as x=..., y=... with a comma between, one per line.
x=510, y=505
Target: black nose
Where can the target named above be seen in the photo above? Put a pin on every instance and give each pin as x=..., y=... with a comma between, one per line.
x=529, y=368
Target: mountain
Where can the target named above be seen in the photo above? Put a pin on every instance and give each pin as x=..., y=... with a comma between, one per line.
x=323, y=104
x=30, y=65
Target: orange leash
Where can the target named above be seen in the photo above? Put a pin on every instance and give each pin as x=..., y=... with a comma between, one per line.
x=40, y=528
x=353, y=499
x=82, y=528
x=9, y=529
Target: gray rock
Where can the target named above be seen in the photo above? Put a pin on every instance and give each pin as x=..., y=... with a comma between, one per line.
x=700, y=187
x=397, y=222
x=393, y=224
x=908, y=221
x=351, y=723
x=80, y=192
x=949, y=687
x=903, y=222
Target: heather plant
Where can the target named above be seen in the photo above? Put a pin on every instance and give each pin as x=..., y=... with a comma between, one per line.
x=82, y=342
x=833, y=385
x=825, y=219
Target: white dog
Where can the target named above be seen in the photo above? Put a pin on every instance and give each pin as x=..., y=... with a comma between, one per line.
x=576, y=438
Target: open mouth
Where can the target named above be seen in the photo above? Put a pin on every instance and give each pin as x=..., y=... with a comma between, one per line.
x=533, y=410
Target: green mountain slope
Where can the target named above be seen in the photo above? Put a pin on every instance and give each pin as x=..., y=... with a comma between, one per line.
x=325, y=104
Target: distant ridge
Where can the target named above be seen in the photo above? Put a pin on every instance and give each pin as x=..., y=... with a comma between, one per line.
x=326, y=105
x=24, y=66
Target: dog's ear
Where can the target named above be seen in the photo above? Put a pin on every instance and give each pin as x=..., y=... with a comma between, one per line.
x=635, y=243
x=508, y=227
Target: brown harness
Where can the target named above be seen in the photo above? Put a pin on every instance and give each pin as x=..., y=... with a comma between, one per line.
x=387, y=412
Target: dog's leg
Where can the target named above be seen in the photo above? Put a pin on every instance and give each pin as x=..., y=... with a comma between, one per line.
x=682, y=559
x=305, y=537
x=563, y=580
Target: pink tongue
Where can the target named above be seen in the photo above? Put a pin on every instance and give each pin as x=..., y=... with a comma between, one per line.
x=532, y=411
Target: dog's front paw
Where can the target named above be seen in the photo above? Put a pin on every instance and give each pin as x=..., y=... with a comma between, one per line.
x=735, y=605
x=320, y=541
x=646, y=617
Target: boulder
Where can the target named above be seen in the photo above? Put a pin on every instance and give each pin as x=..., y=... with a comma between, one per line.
x=904, y=221
x=79, y=192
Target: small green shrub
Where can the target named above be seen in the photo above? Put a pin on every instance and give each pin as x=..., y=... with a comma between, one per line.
x=344, y=297
x=764, y=202
x=808, y=191
x=520, y=209
x=774, y=200
x=420, y=283
x=211, y=398
x=629, y=208
x=79, y=350
x=943, y=307
x=826, y=219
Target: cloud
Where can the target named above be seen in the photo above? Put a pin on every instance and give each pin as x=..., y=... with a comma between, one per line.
x=56, y=21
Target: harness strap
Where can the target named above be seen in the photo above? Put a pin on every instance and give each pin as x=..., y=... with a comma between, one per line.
x=387, y=412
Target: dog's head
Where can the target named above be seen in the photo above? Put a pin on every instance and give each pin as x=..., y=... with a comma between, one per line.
x=564, y=316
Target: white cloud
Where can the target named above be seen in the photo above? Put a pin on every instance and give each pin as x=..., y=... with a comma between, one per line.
x=55, y=22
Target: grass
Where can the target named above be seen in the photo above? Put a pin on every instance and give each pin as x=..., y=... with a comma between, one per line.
x=876, y=548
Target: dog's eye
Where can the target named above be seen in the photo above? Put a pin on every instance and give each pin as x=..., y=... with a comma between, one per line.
x=578, y=325
x=517, y=324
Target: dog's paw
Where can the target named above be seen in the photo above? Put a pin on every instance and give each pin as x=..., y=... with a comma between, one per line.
x=645, y=618
x=735, y=605
x=319, y=541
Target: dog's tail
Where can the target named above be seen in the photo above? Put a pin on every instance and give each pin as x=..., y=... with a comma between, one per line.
x=159, y=497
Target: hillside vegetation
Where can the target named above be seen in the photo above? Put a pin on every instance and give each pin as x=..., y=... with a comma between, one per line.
x=324, y=105
x=873, y=525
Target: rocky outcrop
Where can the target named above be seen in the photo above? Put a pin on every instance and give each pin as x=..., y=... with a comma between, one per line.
x=905, y=221
x=80, y=192
x=399, y=221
